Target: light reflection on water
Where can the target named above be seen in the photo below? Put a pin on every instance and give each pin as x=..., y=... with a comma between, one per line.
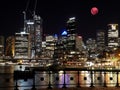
x=56, y=79
x=71, y=79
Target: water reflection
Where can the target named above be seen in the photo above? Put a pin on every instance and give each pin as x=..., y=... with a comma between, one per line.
x=24, y=84
x=45, y=79
x=41, y=79
x=70, y=79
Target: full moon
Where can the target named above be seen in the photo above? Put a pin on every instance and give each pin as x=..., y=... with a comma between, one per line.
x=94, y=10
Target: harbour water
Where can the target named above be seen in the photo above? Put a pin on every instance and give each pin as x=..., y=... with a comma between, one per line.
x=45, y=79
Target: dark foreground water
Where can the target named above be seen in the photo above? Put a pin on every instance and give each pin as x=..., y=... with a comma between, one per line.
x=58, y=79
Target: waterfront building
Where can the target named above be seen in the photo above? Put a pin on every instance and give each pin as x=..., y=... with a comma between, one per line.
x=61, y=47
x=34, y=28
x=29, y=28
x=1, y=47
x=70, y=46
x=71, y=33
x=63, y=40
x=22, y=46
x=38, y=35
x=50, y=45
x=79, y=43
x=113, y=36
x=100, y=40
x=10, y=47
x=91, y=48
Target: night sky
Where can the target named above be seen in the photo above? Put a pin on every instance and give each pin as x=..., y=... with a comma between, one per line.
x=55, y=13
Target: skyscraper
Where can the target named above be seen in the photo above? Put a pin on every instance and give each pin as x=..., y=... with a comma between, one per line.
x=91, y=48
x=71, y=33
x=38, y=35
x=63, y=39
x=79, y=43
x=113, y=35
x=100, y=36
x=50, y=45
x=29, y=28
x=22, y=45
x=34, y=28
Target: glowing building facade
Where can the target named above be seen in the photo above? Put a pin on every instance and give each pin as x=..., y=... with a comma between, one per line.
x=100, y=39
x=51, y=45
x=91, y=44
x=91, y=47
x=79, y=43
x=71, y=33
x=113, y=36
x=63, y=40
x=22, y=46
x=10, y=46
x=38, y=35
x=34, y=28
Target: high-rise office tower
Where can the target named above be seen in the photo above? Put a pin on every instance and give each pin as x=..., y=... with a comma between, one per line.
x=38, y=35
x=50, y=45
x=22, y=45
x=91, y=44
x=100, y=36
x=34, y=28
x=91, y=47
x=79, y=43
x=71, y=33
x=113, y=35
x=29, y=28
x=61, y=45
x=63, y=40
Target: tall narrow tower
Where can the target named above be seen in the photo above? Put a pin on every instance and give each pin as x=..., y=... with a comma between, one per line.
x=71, y=30
x=100, y=36
x=34, y=28
x=38, y=35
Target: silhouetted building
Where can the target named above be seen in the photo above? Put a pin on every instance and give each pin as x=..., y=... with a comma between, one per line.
x=1, y=46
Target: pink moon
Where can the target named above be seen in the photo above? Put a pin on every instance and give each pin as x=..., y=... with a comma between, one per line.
x=94, y=10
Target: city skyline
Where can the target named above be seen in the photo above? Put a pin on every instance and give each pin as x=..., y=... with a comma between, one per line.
x=56, y=13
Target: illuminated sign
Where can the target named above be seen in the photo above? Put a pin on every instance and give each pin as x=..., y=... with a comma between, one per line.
x=64, y=33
